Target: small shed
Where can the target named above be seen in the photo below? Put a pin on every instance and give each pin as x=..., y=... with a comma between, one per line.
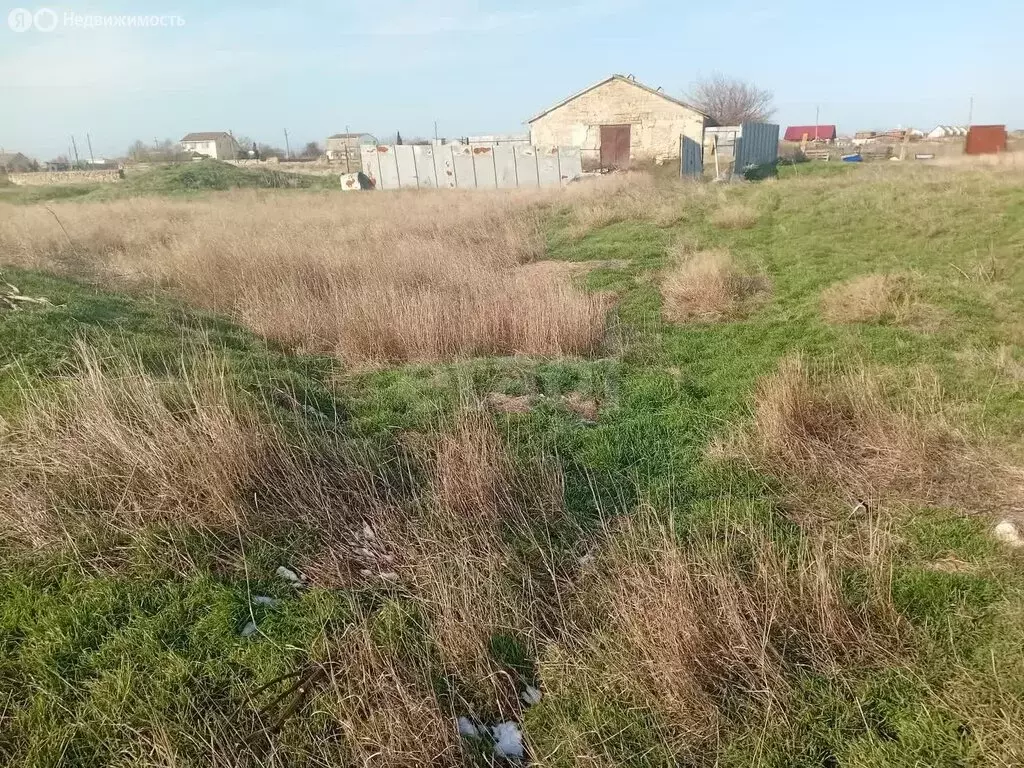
x=811, y=133
x=617, y=121
x=985, y=140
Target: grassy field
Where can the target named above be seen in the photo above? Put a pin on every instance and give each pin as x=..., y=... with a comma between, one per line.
x=714, y=470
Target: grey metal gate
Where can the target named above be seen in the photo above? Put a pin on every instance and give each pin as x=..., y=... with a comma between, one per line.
x=691, y=158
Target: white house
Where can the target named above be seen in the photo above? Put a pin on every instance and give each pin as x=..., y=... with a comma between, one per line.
x=220, y=145
x=948, y=132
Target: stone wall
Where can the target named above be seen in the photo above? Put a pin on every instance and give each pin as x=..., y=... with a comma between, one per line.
x=655, y=123
x=45, y=178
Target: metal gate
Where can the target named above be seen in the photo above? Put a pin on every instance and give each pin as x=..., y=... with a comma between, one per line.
x=615, y=146
x=691, y=158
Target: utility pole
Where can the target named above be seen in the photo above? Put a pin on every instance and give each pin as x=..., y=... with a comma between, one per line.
x=435, y=131
x=970, y=113
x=88, y=140
x=817, y=112
x=287, y=148
x=73, y=144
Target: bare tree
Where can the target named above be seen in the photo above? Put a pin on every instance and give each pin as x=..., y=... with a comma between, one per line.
x=730, y=101
x=312, y=150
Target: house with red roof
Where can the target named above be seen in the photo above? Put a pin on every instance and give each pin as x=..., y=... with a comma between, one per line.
x=810, y=133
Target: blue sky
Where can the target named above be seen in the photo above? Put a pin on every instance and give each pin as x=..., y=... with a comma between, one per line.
x=485, y=67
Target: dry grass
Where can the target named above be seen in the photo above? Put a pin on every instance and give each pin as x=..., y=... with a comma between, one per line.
x=630, y=197
x=473, y=549
x=734, y=215
x=841, y=438
x=384, y=703
x=372, y=278
x=674, y=627
x=116, y=453
x=708, y=285
x=870, y=298
x=127, y=450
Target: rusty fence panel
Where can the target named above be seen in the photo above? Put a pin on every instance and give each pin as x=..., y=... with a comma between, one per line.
x=464, y=166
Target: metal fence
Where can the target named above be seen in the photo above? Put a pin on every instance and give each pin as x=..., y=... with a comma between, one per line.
x=461, y=166
x=735, y=149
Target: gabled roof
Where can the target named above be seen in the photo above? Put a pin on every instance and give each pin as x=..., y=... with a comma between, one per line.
x=623, y=78
x=206, y=136
x=823, y=132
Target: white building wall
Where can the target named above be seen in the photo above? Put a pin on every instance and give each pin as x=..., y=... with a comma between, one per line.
x=656, y=123
x=220, y=149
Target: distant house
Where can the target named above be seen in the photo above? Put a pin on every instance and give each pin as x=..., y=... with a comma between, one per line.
x=220, y=145
x=810, y=133
x=344, y=148
x=619, y=120
x=15, y=162
x=948, y=132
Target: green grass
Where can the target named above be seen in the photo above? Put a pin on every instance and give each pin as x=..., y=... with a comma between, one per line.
x=170, y=180
x=96, y=664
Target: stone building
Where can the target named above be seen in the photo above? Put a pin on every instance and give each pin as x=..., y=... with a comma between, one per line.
x=617, y=121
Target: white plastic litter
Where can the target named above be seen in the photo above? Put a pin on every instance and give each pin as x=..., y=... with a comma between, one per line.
x=249, y=629
x=1008, y=533
x=264, y=600
x=508, y=740
x=530, y=696
x=289, y=575
x=468, y=728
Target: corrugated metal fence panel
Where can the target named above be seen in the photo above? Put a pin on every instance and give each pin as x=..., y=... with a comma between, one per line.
x=985, y=139
x=758, y=145
x=691, y=159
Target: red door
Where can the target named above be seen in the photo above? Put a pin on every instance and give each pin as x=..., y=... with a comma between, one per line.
x=615, y=146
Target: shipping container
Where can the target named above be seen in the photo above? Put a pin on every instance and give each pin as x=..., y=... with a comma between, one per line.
x=985, y=140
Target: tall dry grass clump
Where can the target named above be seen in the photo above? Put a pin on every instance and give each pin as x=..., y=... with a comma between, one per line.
x=383, y=702
x=707, y=633
x=120, y=450
x=373, y=278
x=708, y=285
x=475, y=552
x=630, y=197
x=842, y=434
x=734, y=215
x=869, y=298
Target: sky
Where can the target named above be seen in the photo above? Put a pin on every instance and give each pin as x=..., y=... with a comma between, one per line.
x=477, y=67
